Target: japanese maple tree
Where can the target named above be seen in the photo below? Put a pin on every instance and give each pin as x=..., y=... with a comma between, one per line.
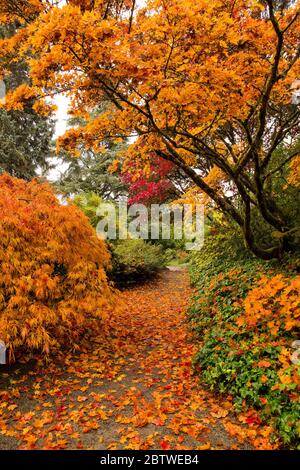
x=154, y=187
x=205, y=85
x=53, y=284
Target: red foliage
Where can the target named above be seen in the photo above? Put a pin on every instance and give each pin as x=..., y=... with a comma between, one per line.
x=153, y=187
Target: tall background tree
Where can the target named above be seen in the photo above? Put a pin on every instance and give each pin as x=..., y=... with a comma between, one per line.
x=90, y=171
x=26, y=137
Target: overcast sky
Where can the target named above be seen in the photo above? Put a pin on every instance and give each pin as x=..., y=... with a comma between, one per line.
x=60, y=128
x=61, y=115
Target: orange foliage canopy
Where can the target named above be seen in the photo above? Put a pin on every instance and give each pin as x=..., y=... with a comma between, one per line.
x=52, y=281
x=275, y=302
x=203, y=84
x=274, y=306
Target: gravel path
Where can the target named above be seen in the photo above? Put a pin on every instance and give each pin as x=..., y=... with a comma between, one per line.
x=132, y=390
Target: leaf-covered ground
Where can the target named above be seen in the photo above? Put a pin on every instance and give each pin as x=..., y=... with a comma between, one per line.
x=134, y=390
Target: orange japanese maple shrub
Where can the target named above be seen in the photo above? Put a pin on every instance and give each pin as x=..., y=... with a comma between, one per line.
x=52, y=279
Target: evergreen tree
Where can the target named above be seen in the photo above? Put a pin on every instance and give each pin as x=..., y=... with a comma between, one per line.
x=90, y=173
x=25, y=136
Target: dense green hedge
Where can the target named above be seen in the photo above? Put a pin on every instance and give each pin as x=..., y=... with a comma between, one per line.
x=134, y=260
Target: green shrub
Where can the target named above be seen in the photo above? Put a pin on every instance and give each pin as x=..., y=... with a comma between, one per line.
x=219, y=254
x=135, y=259
x=132, y=260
